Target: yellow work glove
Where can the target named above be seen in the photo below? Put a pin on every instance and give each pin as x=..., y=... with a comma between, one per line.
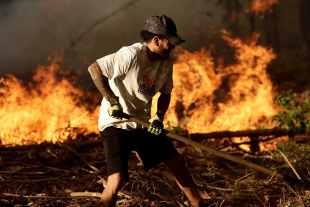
x=115, y=109
x=156, y=126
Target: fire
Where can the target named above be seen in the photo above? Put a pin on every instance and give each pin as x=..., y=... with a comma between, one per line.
x=262, y=5
x=208, y=96
x=46, y=109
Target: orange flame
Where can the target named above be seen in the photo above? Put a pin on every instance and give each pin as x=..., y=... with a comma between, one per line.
x=262, y=5
x=209, y=97
x=46, y=110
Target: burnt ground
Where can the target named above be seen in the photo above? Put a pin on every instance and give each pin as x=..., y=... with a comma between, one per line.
x=73, y=174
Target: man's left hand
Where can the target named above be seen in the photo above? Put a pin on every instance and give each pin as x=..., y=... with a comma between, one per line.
x=156, y=126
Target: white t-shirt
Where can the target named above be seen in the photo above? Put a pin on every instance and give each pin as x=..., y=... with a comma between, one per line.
x=135, y=80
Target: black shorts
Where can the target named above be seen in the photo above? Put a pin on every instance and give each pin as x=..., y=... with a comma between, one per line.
x=118, y=143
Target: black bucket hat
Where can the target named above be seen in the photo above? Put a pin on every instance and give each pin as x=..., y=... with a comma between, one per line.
x=163, y=25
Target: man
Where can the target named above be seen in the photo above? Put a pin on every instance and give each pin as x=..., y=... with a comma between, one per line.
x=128, y=79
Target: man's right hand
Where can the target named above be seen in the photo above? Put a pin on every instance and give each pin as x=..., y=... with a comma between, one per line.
x=115, y=109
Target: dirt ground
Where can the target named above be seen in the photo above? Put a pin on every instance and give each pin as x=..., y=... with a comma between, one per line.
x=73, y=174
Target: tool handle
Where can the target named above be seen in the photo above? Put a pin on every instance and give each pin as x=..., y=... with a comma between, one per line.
x=138, y=121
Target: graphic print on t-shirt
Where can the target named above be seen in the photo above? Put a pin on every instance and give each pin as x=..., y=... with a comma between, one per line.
x=147, y=87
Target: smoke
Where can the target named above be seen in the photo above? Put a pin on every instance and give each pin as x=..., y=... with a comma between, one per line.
x=30, y=31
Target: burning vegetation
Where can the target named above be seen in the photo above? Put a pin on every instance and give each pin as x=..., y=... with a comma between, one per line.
x=46, y=109
x=46, y=126
x=213, y=97
x=208, y=96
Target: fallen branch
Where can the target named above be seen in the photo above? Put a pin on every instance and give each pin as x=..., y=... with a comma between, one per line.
x=85, y=194
x=40, y=196
x=58, y=179
x=289, y=163
x=29, y=181
x=76, y=144
x=244, y=133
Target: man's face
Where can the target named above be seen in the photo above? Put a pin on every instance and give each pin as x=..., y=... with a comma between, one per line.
x=164, y=48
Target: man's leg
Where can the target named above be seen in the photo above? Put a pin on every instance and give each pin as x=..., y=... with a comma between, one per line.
x=109, y=194
x=116, y=153
x=185, y=180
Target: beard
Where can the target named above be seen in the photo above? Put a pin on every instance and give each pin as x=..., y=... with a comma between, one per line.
x=165, y=54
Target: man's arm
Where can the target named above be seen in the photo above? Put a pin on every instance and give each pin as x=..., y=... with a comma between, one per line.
x=163, y=104
x=101, y=82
